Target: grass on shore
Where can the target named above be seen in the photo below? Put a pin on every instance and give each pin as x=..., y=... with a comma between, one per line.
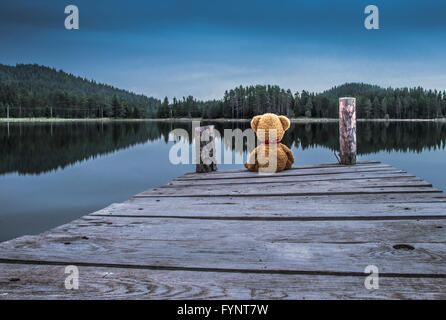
x=50, y=120
x=294, y=120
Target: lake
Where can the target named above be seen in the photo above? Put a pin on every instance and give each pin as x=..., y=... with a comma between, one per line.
x=52, y=173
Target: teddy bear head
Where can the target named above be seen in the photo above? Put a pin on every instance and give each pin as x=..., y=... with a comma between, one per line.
x=269, y=126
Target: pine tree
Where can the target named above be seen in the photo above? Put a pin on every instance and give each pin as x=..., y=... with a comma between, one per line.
x=116, y=107
x=368, y=108
x=128, y=112
x=308, y=108
x=136, y=113
x=398, y=107
x=164, y=110
x=384, y=110
x=376, y=108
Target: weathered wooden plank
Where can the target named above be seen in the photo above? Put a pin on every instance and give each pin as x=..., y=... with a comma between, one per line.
x=290, y=172
x=285, y=207
x=370, y=199
x=265, y=190
x=308, y=171
x=300, y=167
x=47, y=282
x=215, y=245
x=260, y=179
x=322, y=184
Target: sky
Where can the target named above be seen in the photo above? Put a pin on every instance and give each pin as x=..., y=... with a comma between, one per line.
x=202, y=48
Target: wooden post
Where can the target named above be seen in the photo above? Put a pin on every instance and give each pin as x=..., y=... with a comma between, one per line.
x=205, y=149
x=347, y=130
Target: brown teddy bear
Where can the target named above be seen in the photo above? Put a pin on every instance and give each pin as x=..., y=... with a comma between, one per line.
x=271, y=155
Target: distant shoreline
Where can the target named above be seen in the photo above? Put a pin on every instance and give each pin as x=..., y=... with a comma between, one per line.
x=219, y=120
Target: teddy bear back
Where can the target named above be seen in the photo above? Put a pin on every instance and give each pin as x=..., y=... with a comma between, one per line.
x=270, y=126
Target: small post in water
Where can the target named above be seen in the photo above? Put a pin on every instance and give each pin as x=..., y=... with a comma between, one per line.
x=206, y=160
x=347, y=131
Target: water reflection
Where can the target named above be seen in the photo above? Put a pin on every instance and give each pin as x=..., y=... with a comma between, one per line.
x=34, y=148
x=372, y=137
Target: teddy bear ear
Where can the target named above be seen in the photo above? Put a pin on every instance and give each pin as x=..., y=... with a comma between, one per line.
x=285, y=122
x=255, y=122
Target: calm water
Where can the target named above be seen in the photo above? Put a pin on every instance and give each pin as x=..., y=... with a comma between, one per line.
x=51, y=174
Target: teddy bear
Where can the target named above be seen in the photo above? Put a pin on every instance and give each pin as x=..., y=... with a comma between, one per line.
x=271, y=156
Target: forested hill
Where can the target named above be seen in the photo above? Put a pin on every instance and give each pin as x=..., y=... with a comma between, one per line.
x=402, y=103
x=37, y=91
x=352, y=89
x=33, y=91
x=371, y=101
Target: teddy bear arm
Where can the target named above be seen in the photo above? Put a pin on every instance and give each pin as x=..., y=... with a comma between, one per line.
x=289, y=155
x=252, y=164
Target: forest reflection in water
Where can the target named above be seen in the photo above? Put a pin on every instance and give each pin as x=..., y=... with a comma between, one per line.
x=34, y=148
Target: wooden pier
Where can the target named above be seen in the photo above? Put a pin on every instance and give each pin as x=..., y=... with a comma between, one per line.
x=305, y=233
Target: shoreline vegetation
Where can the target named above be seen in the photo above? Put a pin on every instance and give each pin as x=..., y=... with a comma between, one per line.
x=33, y=91
x=219, y=120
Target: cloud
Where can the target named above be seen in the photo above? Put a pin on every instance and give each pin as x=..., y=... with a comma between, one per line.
x=179, y=47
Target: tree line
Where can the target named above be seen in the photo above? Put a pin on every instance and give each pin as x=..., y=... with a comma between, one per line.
x=38, y=91
x=372, y=102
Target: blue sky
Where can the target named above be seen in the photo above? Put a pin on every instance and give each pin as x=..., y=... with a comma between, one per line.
x=197, y=47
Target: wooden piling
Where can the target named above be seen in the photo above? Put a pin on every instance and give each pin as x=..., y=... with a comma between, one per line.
x=205, y=149
x=347, y=130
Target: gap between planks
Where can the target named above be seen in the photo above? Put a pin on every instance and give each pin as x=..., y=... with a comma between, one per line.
x=396, y=175
x=271, y=218
x=221, y=270
x=373, y=199
x=295, y=194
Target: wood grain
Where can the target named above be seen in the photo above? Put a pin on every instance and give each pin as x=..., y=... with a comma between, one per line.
x=47, y=282
x=396, y=175
x=291, y=172
x=304, y=200
x=265, y=190
x=317, y=246
x=284, y=207
x=303, y=167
